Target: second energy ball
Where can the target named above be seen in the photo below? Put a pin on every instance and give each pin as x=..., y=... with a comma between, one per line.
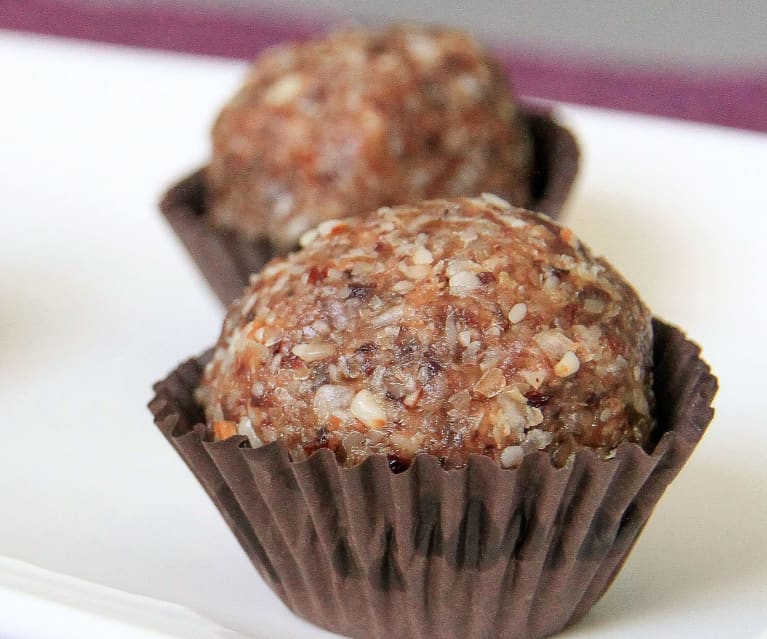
x=361, y=119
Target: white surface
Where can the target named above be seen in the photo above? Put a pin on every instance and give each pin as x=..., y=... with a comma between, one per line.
x=97, y=301
x=47, y=604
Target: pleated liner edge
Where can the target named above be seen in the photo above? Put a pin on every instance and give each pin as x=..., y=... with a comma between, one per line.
x=473, y=553
x=226, y=259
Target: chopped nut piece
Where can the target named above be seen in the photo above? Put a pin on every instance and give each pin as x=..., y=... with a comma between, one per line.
x=461, y=399
x=366, y=407
x=518, y=312
x=512, y=456
x=493, y=331
x=534, y=378
x=412, y=399
x=491, y=383
x=554, y=343
x=308, y=237
x=537, y=439
x=490, y=360
x=268, y=434
x=534, y=416
x=551, y=281
x=391, y=316
x=422, y=256
x=353, y=440
x=494, y=200
x=593, y=306
x=329, y=398
x=301, y=372
x=456, y=266
x=514, y=393
x=284, y=90
x=406, y=444
x=321, y=327
x=329, y=227
x=568, y=365
x=224, y=429
x=314, y=351
x=269, y=335
x=403, y=287
x=416, y=271
x=245, y=427
x=568, y=237
x=463, y=283
x=248, y=306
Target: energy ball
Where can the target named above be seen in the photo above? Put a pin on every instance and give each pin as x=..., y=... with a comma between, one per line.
x=361, y=119
x=449, y=327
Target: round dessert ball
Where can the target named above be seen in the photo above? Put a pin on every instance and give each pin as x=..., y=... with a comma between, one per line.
x=361, y=119
x=449, y=327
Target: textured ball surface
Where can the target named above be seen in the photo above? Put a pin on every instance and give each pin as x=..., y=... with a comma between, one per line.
x=361, y=119
x=449, y=327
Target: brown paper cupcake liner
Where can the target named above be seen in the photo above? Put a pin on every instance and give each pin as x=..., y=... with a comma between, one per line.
x=477, y=552
x=226, y=260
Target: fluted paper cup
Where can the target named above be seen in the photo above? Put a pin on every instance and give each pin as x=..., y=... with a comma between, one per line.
x=476, y=552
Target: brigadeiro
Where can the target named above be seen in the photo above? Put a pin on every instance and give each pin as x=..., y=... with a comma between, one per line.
x=356, y=120
x=442, y=419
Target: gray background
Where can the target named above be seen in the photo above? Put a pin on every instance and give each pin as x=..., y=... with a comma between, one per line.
x=711, y=34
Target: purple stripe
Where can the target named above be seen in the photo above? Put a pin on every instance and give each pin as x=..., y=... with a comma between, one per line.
x=217, y=32
x=727, y=99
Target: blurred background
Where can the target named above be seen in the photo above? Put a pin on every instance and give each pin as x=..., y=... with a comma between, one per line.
x=706, y=34
x=701, y=60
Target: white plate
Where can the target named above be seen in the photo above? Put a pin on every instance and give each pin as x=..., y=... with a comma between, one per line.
x=97, y=301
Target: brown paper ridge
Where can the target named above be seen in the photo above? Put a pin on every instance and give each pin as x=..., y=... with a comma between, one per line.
x=226, y=260
x=474, y=552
